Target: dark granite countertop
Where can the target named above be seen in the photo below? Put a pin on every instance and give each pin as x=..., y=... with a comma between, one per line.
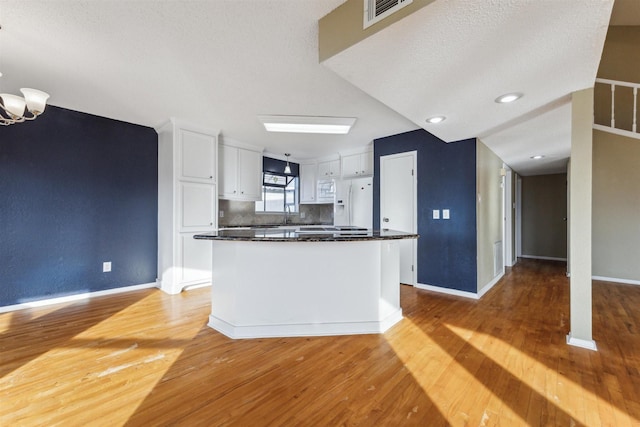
x=275, y=225
x=306, y=234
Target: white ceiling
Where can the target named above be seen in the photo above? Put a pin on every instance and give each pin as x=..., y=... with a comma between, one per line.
x=222, y=63
x=454, y=58
x=219, y=63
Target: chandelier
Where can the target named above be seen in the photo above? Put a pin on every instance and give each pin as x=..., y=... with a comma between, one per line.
x=17, y=109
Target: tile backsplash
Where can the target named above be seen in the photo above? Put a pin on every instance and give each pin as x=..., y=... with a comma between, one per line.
x=243, y=213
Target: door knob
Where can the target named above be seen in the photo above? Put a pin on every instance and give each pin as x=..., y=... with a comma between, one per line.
x=385, y=219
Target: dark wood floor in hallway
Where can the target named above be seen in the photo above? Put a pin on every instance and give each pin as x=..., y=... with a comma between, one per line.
x=145, y=359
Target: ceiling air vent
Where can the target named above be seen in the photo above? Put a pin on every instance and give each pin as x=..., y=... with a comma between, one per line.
x=376, y=10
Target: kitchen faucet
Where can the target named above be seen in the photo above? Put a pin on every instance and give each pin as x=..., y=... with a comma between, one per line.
x=287, y=212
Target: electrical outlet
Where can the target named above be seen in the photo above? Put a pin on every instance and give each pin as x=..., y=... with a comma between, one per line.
x=221, y=214
x=445, y=214
x=106, y=267
x=302, y=215
x=436, y=214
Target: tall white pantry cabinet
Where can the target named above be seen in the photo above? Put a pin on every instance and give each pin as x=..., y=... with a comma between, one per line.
x=187, y=203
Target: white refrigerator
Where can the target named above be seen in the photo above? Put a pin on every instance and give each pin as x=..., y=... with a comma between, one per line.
x=354, y=203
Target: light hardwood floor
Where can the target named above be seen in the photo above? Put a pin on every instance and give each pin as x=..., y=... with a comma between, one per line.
x=146, y=358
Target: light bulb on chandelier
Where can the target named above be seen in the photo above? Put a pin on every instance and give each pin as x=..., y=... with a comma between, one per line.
x=17, y=109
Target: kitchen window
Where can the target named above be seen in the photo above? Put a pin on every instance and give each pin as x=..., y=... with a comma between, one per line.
x=279, y=194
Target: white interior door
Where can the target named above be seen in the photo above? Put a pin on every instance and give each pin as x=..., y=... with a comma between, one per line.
x=518, y=216
x=398, y=195
x=508, y=208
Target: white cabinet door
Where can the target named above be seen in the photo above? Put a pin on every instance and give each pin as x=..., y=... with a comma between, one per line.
x=357, y=165
x=366, y=163
x=351, y=166
x=194, y=258
x=197, y=211
x=228, y=172
x=324, y=170
x=308, y=183
x=240, y=174
x=329, y=170
x=335, y=169
x=197, y=154
x=250, y=174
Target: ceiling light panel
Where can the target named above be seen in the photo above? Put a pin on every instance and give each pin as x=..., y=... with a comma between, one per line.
x=307, y=124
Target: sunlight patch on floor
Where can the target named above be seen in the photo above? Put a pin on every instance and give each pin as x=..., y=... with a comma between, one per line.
x=6, y=319
x=134, y=361
x=563, y=392
x=457, y=394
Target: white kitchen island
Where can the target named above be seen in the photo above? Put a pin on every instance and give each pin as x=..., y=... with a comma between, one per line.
x=284, y=283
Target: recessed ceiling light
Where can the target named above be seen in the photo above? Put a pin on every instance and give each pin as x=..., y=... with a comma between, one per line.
x=508, y=97
x=435, y=119
x=307, y=124
x=538, y=157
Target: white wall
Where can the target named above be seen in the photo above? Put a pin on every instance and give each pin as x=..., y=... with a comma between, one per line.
x=489, y=213
x=616, y=207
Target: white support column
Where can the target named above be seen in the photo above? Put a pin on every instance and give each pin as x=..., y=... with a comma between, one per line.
x=580, y=191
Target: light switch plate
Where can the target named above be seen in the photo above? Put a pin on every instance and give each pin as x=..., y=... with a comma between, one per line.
x=445, y=214
x=436, y=214
x=106, y=267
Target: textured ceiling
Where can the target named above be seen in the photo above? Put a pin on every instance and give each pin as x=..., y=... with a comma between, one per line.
x=219, y=63
x=222, y=63
x=454, y=57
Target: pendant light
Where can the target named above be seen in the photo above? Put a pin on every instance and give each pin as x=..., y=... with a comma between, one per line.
x=287, y=169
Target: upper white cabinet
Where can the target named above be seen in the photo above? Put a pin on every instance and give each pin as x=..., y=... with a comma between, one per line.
x=250, y=174
x=240, y=173
x=187, y=203
x=308, y=182
x=356, y=165
x=198, y=155
x=329, y=169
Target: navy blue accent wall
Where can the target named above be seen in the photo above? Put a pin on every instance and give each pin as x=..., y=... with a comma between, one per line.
x=446, y=178
x=76, y=190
